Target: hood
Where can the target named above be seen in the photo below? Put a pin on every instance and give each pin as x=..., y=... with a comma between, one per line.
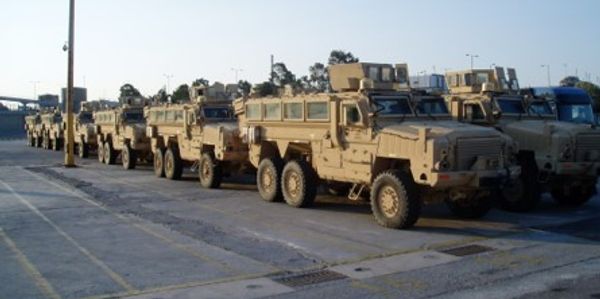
x=447, y=128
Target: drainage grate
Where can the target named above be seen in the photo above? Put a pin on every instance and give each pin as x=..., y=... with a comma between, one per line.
x=467, y=250
x=305, y=279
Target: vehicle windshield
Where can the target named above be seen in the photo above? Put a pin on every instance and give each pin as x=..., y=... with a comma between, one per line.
x=133, y=116
x=430, y=106
x=85, y=118
x=510, y=106
x=391, y=105
x=217, y=112
x=576, y=113
x=540, y=108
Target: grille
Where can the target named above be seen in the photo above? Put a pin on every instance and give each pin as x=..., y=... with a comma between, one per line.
x=468, y=149
x=587, y=143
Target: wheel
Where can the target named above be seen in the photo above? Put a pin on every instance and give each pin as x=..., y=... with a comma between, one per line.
x=56, y=144
x=268, y=179
x=38, y=141
x=298, y=184
x=524, y=194
x=46, y=143
x=395, y=200
x=83, y=149
x=173, y=167
x=109, y=153
x=574, y=193
x=159, y=166
x=209, y=171
x=128, y=157
x=100, y=151
x=30, y=141
x=470, y=205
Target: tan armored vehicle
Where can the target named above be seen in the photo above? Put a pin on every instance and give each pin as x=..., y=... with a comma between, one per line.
x=203, y=134
x=369, y=135
x=558, y=156
x=52, y=130
x=122, y=132
x=85, y=129
x=33, y=130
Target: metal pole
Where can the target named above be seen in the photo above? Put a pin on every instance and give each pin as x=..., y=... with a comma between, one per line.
x=472, y=56
x=272, y=64
x=69, y=158
x=547, y=66
x=168, y=81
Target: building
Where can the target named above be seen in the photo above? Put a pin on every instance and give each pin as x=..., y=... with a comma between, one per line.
x=79, y=96
x=48, y=100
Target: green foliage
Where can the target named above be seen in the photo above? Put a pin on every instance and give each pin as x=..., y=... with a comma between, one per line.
x=128, y=90
x=281, y=76
x=201, y=82
x=265, y=89
x=569, y=81
x=593, y=90
x=181, y=94
x=244, y=87
x=341, y=57
x=161, y=96
x=318, y=77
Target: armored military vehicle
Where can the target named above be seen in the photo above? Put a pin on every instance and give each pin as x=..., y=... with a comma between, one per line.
x=85, y=129
x=121, y=132
x=33, y=130
x=202, y=133
x=570, y=104
x=557, y=156
x=52, y=129
x=367, y=134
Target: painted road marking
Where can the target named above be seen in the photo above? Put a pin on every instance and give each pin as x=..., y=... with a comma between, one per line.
x=143, y=228
x=116, y=277
x=394, y=264
x=29, y=268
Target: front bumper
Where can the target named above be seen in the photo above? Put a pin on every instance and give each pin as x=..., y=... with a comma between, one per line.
x=473, y=179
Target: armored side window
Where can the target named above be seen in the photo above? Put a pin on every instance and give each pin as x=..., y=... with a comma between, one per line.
x=474, y=112
x=482, y=78
x=352, y=115
x=178, y=115
x=293, y=111
x=468, y=80
x=317, y=111
x=160, y=116
x=374, y=73
x=273, y=111
x=253, y=111
x=170, y=115
x=387, y=74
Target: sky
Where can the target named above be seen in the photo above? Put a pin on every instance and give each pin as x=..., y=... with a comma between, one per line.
x=141, y=41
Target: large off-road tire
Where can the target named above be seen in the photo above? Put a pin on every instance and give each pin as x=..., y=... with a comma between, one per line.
x=298, y=184
x=574, y=193
x=100, y=151
x=476, y=205
x=83, y=149
x=109, y=153
x=30, y=141
x=395, y=200
x=173, y=164
x=268, y=179
x=56, y=145
x=159, y=163
x=38, y=141
x=210, y=172
x=128, y=157
x=46, y=143
x=524, y=194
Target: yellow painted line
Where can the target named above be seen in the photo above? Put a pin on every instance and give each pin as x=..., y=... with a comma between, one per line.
x=143, y=228
x=31, y=270
x=116, y=277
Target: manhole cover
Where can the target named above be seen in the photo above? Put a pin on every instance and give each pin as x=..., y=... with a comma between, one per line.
x=467, y=250
x=305, y=279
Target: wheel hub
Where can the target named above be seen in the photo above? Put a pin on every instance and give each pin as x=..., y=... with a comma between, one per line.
x=388, y=200
x=205, y=171
x=267, y=178
x=293, y=184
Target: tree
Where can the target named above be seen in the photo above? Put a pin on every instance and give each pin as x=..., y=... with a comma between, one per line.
x=341, y=57
x=265, y=89
x=200, y=82
x=282, y=76
x=318, y=77
x=569, y=81
x=127, y=90
x=593, y=90
x=181, y=94
x=161, y=96
x=244, y=87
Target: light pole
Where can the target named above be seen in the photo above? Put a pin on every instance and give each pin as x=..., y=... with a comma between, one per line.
x=547, y=66
x=35, y=83
x=168, y=81
x=472, y=56
x=566, y=69
x=236, y=71
x=69, y=157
